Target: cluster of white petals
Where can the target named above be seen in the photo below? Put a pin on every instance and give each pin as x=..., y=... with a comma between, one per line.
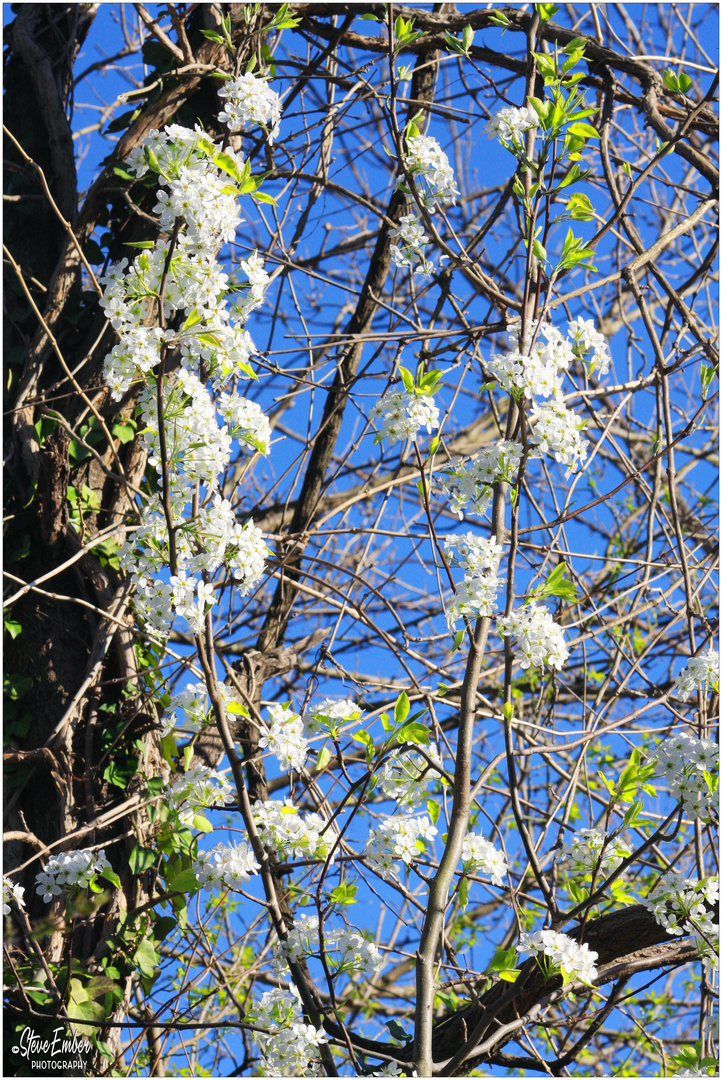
x=476, y=595
x=468, y=481
x=394, y=838
x=590, y=850
x=69, y=870
x=281, y=827
x=573, y=960
x=432, y=173
x=539, y=639
x=200, y=788
x=287, y=1043
x=252, y=290
x=198, y=205
x=683, y=906
x=557, y=431
x=12, y=891
x=250, y=102
x=479, y=856
x=688, y=764
x=701, y=673
x=285, y=737
x=403, y=415
x=409, y=249
x=225, y=865
x=328, y=716
x=345, y=950
x=192, y=702
x=510, y=124
x=406, y=774
x=535, y=370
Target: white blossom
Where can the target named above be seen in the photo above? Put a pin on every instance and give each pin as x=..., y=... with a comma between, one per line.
x=701, y=673
x=345, y=950
x=572, y=959
x=409, y=250
x=402, y=415
x=557, y=431
x=285, y=738
x=12, y=891
x=406, y=775
x=467, y=481
x=684, y=906
x=200, y=788
x=74, y=869
x=589, y=850
x=250, y=101
x=404, y=838
x=510, y=123
x=475, y=597
x=326, y=717
x=683, y=760
x=478, y=855
x=281, y=827
x=432, y=173
x=225, y=865
x=539, y=639
x=288, y=1045
x=247, y=421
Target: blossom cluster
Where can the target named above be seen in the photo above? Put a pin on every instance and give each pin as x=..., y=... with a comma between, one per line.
x=468, y=481
x=281, y=827
x=393, y=838
x=199, y=788
x=326, y=717
x=250, y=101
x=691, y=767
x=225, y=865
x=409, y=249
x=69, y=870
x=590, y=850
x=684, y=906
x=701, y=673
x=406, y=774
x=476, y=595
x=479, y=856
x=431, y=171
x=287, y=1043
x=510, y=124
x=192, y=702
x=345, y=950
x=435, y=186
x=573, y=960
x=181, y=279
x=286, y=737
x=12, y=891
x=539, y=639
x=402, y=415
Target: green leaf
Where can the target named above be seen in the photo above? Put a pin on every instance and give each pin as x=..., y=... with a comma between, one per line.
x=13, y=628
x=202, y=824
x=408, y=380
x=146, y=958
x=397, y=1032
x=16, y=686
x=262, y=197
x=345, y=893
x=141, y=859
x=111, y=876
x=706, y=375
x=458, y=638
x=401, y=709
x=184, y=882
x=433, y=809
x=193, y=319
x=557, y=584
x=463, y=892
x=412, y=733
x=684, y=82
x=580, y=207
x=212, y=36
x=324, y=756
x=585, y=130
x=370, y=17
x=227, y=164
